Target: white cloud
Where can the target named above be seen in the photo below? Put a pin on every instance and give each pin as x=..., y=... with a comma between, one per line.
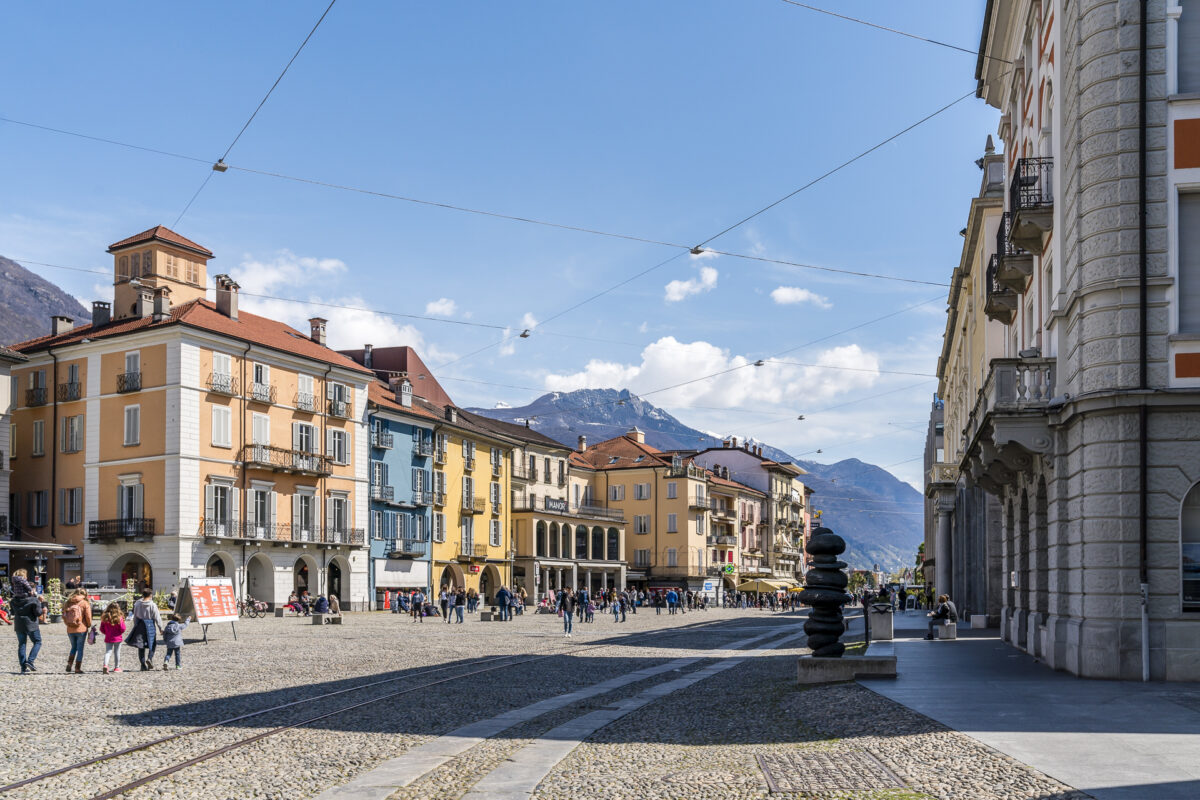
x=789, y=295
x=442, y=307
x=509, y=343
x=528, y=320
x=645, y=326
x=350, y=325
x=668, y=362
x=678, y=290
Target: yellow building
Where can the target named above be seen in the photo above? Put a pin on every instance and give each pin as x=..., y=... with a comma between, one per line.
x=174, y=437
x=471, y=539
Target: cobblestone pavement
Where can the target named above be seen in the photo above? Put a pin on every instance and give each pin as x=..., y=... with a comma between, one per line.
x=700, y=741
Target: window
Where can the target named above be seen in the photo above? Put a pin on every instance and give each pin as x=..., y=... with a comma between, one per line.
x=672, y=490
x=38, y=446
x=70, y=506
x=191, y=271
x=170, y=268
x=376, y=524
x=222, y=420
x=220, y=508
x=494, y=493
x=439, y=526
x=546, y=464
x=420, y=479
x=494, y=537
x=616, y=492
x=641, y=558
x=260, y=429
x=439, y=481
x=129, y=499
x=72, y=434
x=1187, y=49
x=378, y=473
x=133, y=362
x=672, y=557
x=337, y=512
x=497, y=455
x=700, y=524
x=467, y=533
x=641, y=491
x=468, y=491
x=38, y=504
x=73, y=373
x=1190, y=550
x=260, y=512
x=468, y=448
x=135, y=264
x=641, y=523
x=123, y=267
x=222, y=365
x=133, y=425
x=304, y=516
x=338, y=446
x=418, y=529
x=1189, y=257
x=672, y=523
x=304, y=437
x=306, y=398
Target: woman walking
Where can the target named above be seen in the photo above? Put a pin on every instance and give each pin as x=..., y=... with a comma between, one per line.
x=77, y=614
x=566, y=607
x=112, y=625
x=147, y=622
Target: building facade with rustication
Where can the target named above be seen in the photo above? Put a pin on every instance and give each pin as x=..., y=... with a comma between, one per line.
x=1084, y=430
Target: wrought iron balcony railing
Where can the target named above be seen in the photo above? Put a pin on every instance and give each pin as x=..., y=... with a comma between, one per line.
x=127, y=529
x=495, y=469
x=354, y=537
x=68, y=391
x=722, y=540
x=423, y=448
x=35, y=397
x=384, y=493
x=406, y=548
x=220, y=383
x=306, y=401
x=469, y=462
x=341, y=408
x=604, y=512
x=1032, y=184
x=474, y=505
x=281, y=459
x=422, y=497
x=1000, y=302
x=523, y=473
x=262, y=393
x=686, y=471
x=698, y=501
x=382, y=440
x=129, y=382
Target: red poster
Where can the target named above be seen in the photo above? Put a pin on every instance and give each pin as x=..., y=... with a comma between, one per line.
x=212, y=600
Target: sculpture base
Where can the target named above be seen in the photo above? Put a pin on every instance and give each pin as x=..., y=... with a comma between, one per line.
x=879, y=662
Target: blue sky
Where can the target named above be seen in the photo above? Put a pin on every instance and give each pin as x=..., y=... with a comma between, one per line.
x=664, y=120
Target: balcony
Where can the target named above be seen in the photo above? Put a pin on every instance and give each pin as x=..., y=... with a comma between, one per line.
x=129, y=382
x=424, y=449
x=406, y=548
x=722, y=541
x=698, y=501
x=677, y=571
x=279, y=459
x=1031, y=199
x=130, y=529
x=686, y=471
x=520, y=473
x=246, y=531
x=35, y=397
x=382, y=440
x=439, y=498
x=439, y=456
x=788, y=551
x=382, y=493
x=469, y=551
x=261, y=393
x=306, y=401
x=340, y=408
x=562, y=481
x=352, y=537
x=1014, y=264
x=468, y=463
x=722, y=512
x=219, y=383
x=474, y=505
x=942, y=473
x=496, y=469
x=481, y=551
x=497, y=506
x=601, y=512
x=1009, y=424
x=68, y=391
x=1000, y=303
x=422, y=497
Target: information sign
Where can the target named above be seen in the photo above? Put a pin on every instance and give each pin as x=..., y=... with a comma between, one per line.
x=208, y=600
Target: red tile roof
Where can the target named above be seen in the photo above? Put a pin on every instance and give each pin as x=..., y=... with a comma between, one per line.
x=163, y=234
x=203, y=314
x=625, y=450
x=741, y=487
x=382, y=395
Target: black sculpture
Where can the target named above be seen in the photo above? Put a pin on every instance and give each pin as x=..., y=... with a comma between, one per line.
x=825, y=590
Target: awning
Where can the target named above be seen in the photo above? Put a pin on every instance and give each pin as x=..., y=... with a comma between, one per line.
x=760, y=586
x=401, y=573
x=44, y=546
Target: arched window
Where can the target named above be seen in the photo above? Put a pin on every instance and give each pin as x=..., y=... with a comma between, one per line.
x=553, y=540
x=581, y=542
x=597, y=543
x=1189, y=521
x=541, y=539
x=614, y=545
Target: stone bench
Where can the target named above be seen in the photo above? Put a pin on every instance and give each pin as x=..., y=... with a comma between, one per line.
x=945, y=630
x=279, y=612
x=485, y=616
x=318, y=619
x=334, y=619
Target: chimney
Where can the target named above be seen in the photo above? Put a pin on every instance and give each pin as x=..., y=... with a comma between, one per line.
x=725, y=443
x=318, y=330
x=162, y=303
x=637, y=435
x=227, y=298
x=60, y=324
x=582, y=444
x=733, y=442
x=367, y=355
x=401, y=388
x=451, y=414
x=101, y=313
x=143, y=304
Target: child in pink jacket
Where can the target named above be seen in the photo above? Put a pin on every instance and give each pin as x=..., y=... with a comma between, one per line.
x=112, y=625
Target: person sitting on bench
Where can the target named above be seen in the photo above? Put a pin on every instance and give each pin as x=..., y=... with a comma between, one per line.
x=945, y=613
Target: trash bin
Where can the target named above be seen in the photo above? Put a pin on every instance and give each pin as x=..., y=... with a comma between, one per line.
x=879, y=617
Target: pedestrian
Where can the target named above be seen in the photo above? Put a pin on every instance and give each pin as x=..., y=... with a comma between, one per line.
x=521, y=598
x=503, y=598
x=449, y=603
x=29, y=611
x=659, y=602
x=77, y=615
x=4, y=612
x=566, y=609
x=112, y=626
x=589, y=612
x=172, y=599
x=335, y=605
x=444, y=602
x=418, y=606
x=616, y=605
x=146, y=624
x=173, y=638
x=460, y=603
x=623, y=603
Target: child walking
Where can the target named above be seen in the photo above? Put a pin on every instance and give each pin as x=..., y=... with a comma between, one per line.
x=173, y=638
x=112, y=625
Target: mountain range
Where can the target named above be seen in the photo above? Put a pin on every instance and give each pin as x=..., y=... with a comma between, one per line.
x=27, y=301
x=877, y=514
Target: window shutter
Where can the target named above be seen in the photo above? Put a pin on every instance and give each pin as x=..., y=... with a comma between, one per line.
x=274, y=508
x=296, y=523
x=329, y=443
x=329, y=514
x=328, y=390
x=209, y=501
x=235, y=502
x=120, y=504
x=251, y=509
x=139, y=510
x=349, y=447
x=296, y=435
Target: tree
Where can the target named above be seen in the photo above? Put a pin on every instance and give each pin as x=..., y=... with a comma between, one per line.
x=858, y=582
x=919, y=574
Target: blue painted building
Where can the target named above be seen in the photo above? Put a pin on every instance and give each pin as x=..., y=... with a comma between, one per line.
x=401, y=448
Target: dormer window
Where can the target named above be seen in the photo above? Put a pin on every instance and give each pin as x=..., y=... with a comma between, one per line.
x=406, y=394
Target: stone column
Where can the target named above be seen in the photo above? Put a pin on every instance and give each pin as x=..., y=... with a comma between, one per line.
x=575, y=577
x=558, y=576
x=621, y=575
x=942, y=565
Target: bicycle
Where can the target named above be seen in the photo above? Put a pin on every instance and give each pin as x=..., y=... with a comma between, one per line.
x=251, y=608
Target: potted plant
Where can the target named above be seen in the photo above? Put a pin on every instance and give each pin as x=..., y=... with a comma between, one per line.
x=126, y=600
x=54, y=599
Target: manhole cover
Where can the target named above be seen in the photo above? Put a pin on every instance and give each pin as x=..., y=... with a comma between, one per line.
x=826, y=771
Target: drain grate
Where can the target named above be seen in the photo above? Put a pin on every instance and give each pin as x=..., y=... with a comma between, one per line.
x=826, y=771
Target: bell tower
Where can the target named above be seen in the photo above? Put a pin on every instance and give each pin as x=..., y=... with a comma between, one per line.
x=153, y=260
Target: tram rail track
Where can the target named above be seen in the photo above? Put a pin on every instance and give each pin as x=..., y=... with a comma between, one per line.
x=508, y=661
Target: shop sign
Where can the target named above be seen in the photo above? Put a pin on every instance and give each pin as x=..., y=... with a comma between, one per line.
x=555, y=505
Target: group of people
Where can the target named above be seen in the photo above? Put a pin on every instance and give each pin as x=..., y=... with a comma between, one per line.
x=305, y=605
x=140, y=628
x=452, y=604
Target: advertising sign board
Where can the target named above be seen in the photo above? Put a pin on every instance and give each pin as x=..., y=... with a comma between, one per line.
x=208, y=600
